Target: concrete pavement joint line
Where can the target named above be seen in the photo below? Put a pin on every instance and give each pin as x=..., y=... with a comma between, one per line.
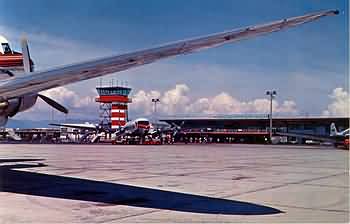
x=306, y=208
x=315, y=167
x=36, y=201
x=319, y=178
x=129, y=216
x=294, y=183
x=133, y=178
x=324, y=185
x=71, y=173
x=281, y=185
x=186, y=174
x=226, y=169
x=250, y=168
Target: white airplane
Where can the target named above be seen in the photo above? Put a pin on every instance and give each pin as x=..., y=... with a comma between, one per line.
x=141, y=124
x=10, y=134
x=335, y=133
x=335, y=137
x=139, y=127
x=19, y=93
x=86, y=130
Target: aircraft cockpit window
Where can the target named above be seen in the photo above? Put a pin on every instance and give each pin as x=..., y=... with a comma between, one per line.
x=6, y=48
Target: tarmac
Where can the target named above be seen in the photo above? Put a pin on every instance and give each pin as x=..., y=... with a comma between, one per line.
x=173, y=183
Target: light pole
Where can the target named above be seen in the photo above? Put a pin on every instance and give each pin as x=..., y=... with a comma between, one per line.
x=155, y=101
x=272, y=94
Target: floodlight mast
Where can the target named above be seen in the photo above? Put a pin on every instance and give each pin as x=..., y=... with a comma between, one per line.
x=272, y=94
x=155, y=101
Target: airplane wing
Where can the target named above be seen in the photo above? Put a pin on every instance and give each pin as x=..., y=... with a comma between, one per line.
x=120, y=132
x=39, y=81
x=307, y=136
x=78, y=126
x=13, y=135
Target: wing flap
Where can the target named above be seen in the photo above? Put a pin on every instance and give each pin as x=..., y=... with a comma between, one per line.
x=39, y=81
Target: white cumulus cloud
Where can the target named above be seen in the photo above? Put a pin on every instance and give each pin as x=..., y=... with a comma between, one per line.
x=79, y=106
x=141, y=101
x=178, y=101
x=340, y=103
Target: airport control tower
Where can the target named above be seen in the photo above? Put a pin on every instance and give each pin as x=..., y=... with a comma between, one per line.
x=113, y=105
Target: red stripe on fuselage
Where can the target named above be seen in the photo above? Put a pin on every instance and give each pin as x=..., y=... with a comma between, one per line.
x=9, y=60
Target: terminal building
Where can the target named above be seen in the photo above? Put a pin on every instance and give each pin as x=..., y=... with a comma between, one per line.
x=253, y=128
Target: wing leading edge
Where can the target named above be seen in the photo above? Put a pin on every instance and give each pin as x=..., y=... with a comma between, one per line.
x=39, y=81
x=87, y=126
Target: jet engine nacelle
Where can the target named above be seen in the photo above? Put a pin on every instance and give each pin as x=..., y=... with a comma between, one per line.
x=11, y=107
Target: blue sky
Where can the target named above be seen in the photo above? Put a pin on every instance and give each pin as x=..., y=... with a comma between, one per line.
x=305, y=64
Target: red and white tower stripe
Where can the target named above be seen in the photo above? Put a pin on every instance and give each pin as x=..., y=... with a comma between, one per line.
x=114, y=102
x=118, y=115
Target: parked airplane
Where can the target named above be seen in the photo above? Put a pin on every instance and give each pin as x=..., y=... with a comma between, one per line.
x=160, y=128
x=342, y=136
x=335, y=137
x=86, y=131
x=139, y=127
x=9, y=133
x=142, y=127
x=20, y=93
x=336, y=133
